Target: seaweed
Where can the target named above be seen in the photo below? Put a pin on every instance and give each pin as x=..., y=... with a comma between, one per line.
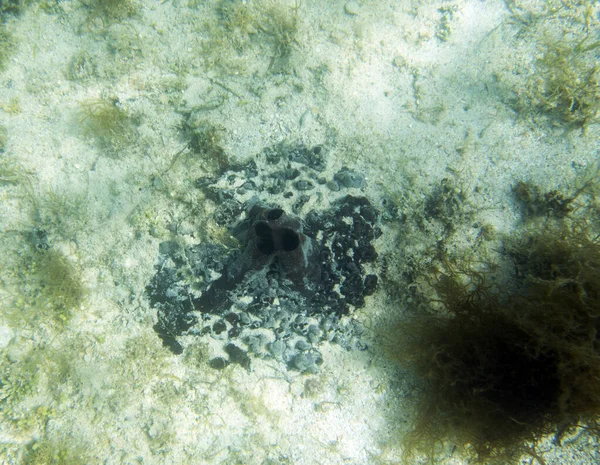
x=3, y=140
x=281, y=24
x=563, y=82
x=55, y=451
x=13, y=7
x=240, y=19
x=109, y=122
x=567, y=86
x=7, y=45
x=556, y=204
x=445, y=203
x=507, y=361
x=536, y=203
x=110, y=11
x=205, y=141
x=41, y=286
x=58, y=288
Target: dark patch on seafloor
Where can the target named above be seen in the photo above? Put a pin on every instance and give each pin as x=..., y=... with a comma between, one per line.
x=293, y=283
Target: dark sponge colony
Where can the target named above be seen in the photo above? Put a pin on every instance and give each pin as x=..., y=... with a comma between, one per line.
x=292, y=283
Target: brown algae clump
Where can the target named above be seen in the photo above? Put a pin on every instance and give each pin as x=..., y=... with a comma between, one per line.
x=505, y=364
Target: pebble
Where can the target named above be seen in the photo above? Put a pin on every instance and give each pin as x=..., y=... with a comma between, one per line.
x=246, y=187
x=303, y=185
x=233, y=318
x=314, y=334
x=254, y=343
x=302, y=362
x=218, y=363
x=290, y=174
x=352, y=8
x=369, y=213
x=276, y=348
x=357, y=327
x=399, y=61
x=237, y=355
x=244, y=319
x=219, y=327
x=333, y=186
x=370, y=284
x=234, y=332
x=302, y=345
x=350, y=178
x=300, y=202
x=301, y=319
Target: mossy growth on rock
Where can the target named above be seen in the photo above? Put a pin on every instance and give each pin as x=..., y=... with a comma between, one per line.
x=506, y=361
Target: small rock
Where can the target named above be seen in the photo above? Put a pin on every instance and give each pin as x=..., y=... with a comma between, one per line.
x=327, y=324
x=219, y=327
x=276, y=348
x=218, y=363
x=350, y=178
x=399, y=61
x=246, y=187
x=314, y=334
x=370, y=284
x=290, y=174
x=237, y=355
x=303, y=199
x=244, y=319
x=234, y=332
x=369, y=213
x=302, y=362
x=303, y=345
x=300, y=319
x=233, y=318
x=352, y=8
x=303, y=185
x=361, y=346
x=254, y=343
x=333, y=186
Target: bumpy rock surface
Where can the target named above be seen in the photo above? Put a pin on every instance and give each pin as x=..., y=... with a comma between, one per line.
x=295, y=280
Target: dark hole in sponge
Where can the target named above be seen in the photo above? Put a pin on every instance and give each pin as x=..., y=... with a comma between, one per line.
x=274, y=214
x=264, y=238
x=288, y=239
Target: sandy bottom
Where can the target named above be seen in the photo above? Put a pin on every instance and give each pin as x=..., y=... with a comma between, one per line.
x=109, y=114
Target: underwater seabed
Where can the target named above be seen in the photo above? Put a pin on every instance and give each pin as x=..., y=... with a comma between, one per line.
x=299, y=232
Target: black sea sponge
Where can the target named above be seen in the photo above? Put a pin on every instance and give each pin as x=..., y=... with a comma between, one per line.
x=296, y=278
x=274, y=243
